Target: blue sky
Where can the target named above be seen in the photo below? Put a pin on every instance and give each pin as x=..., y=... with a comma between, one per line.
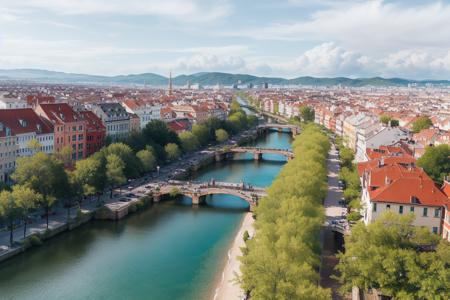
x=288, y=38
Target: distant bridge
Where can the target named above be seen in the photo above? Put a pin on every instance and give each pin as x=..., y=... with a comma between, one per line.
x=294, y=129
x=197, y=191
x=256, y=151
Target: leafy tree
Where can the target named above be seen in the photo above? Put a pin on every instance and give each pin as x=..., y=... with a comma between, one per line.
x=420, y=123
x=386, y=255
x=172, y=151
x=147, y=158
x=235, y=106
x=436, y=162
x=252, y=120
x=115, y=171
x=201, y=132
x=347, y=156
x=307, y=114
x=34, y=145
x=10, y=212
x=385, y=119
x=395, y=123
x=125, y=153
x=64, y=155
x=27, y=200
x=88, y=176
x=189, y=141
x=156, y=131
x=44, y=174
x=221, y=135
x=16, y=204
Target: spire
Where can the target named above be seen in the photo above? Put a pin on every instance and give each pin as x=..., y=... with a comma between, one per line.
x=170, y=82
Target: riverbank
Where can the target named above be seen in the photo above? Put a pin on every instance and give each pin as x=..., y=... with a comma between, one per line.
x=227, y=288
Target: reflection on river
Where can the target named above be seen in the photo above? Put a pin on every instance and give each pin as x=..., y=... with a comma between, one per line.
x=168, y=251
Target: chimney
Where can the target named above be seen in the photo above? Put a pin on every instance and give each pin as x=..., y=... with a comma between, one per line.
x=387, y=181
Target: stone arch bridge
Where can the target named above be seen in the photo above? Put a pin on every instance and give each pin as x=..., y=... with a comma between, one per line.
x=257, y=152
x=294, y=129
x=198, y=191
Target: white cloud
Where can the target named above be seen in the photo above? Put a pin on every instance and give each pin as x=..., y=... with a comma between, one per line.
x=370, y=26
x=182, y=10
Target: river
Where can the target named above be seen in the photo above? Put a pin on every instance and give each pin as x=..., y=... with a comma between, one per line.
x=168, y=251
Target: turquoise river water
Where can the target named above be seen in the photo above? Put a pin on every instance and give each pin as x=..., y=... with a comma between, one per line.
x=168, y=251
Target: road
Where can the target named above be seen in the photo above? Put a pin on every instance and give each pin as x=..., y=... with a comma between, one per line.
x=334, y=213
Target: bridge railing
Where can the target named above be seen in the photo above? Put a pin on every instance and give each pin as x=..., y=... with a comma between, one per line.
x=216, y=184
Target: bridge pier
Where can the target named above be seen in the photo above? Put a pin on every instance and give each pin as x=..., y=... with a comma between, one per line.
x=156, y=198
x=257, y=155
x=218, y=156
x=197, y=199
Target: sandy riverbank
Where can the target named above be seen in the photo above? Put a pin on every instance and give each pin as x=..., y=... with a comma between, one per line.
x=227, y=289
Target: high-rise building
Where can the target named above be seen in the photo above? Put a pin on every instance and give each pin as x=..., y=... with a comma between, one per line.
x=170, y=83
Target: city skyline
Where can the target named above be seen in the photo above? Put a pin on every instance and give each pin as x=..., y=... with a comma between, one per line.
x=285, y=38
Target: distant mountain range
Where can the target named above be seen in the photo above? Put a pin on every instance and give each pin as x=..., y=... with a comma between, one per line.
x=203, y=78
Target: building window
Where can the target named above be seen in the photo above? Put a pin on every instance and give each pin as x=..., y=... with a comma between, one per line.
x=435, y=230
x=425, y=212
x=374, y=207
x=411, y=209
x=400, y=209
x=388, y=206
x=437, y=212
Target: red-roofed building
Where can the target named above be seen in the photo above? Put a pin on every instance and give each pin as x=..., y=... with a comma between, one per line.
x=33, y=100
x=17, y=128
x=69, y=127
x=95, y=132
x=446, y=221
x=179, y=125
x=395, y=183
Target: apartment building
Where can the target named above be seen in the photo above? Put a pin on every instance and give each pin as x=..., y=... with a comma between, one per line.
x=95, y=132
x=9, y=102
x=69, y=127
x=19, y=127
x=145, y=110
x=115, y=118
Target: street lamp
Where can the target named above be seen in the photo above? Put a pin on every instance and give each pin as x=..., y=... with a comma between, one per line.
x=157, y=169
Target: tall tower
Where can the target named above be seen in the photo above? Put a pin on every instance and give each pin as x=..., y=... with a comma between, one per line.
x=170, y=83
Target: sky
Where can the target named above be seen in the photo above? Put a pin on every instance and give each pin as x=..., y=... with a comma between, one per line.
x=285, y=38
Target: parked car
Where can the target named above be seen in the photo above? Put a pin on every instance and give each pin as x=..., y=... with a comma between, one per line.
x=124, y=200
x=341, y=184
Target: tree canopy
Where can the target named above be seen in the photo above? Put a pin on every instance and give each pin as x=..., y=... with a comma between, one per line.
x=172, y=151
x=307, y=114
x=386, y=255
x=436, y=162
x=420, y=123
x=221, y=135
x=189, y=141
x=385, y=119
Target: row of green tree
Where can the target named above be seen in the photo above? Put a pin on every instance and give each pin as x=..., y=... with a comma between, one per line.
x=42, y=179
x=349, y=176
x=281, y=261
